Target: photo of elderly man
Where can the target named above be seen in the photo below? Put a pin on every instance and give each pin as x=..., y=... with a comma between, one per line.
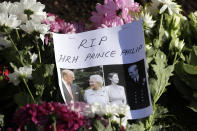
x=71, y=91
x=97, y=93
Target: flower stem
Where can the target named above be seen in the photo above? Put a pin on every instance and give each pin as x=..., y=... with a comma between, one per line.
x=17, y=34
x=174, y=62
x=54, y=125
x=120, y=123
x=38, y=48
x=13, y=44
x=28, y=90
x=151, y=118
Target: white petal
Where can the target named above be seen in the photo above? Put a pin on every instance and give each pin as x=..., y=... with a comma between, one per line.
x=163, y=9
x=170, y=11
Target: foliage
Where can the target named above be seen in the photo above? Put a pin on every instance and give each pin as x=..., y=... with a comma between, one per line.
x=185, y=80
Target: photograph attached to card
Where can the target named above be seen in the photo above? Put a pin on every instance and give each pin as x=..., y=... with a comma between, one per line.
x=105, y=66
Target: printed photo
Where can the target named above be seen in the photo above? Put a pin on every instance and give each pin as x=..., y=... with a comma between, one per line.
x=136, y=85
x=77, y=84
x=108, y=84
x=115, y=84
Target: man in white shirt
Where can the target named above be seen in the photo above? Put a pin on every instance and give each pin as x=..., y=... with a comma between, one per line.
x=71, y=92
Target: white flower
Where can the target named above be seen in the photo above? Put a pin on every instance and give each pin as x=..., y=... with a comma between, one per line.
x=5, y=7
x=9, y=20
x=179, y=44
x=14, y=78
x=33, y=57
x=171, y=6
x=96, y=109
x=123, y=109
x=148, y=22
x=107, y=110
x=30, y=9
x=25, y=71
x=4, y=43
x=32, y=26
x=147, y=19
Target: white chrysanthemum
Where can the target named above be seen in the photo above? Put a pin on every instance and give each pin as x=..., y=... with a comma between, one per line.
x=123, y=109
x=4, y=43
x=33, y=57
x=107, y=110
x=32, y=26
x=14, y=78
x=148, y=22
x=25, y=71
x=9, y=20
x=96, y=109
x=171, y=6
x=30, y=9
x=5, y=7
x=179, y=44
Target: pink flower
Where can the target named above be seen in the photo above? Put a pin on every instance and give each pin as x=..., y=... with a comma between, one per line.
x=43, y=116
x=114, y=13
x=58, y=25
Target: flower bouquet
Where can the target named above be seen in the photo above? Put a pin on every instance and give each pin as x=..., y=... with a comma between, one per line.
x=28, y=78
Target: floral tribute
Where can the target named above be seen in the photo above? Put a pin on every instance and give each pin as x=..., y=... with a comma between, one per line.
x=48, y=116
x=115, y=13
x=71, y=116
x=28, y=79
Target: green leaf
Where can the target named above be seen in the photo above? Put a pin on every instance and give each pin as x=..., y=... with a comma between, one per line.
x=193, y=106
x=190, y=69
x=163, y=73
x=159, y=42
x=1, y=120
x=137, y=127
x=48, y=70
x=98, y=126
x=193, y=56
x=160, y=112
x=39, y=89
x=109, y=128
x=190, y=80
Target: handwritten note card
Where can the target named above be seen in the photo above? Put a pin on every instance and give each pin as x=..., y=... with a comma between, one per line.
x=118, y=49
